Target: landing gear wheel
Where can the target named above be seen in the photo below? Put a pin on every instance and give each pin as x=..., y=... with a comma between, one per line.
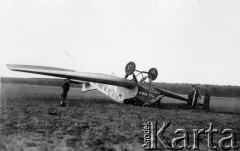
x=153, y=73
x=130, y=68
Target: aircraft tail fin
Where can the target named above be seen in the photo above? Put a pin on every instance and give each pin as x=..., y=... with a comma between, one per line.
x=87, y=87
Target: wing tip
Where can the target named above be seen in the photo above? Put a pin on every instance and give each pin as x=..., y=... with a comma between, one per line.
x=10, y=66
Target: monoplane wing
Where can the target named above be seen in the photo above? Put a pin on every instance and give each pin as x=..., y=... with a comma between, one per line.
x=78, y=82
x=73, y=75
x=171, y=94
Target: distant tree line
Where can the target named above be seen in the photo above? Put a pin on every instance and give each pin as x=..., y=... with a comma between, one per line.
x=215, y=90
x=180, y=88
x=37, y=81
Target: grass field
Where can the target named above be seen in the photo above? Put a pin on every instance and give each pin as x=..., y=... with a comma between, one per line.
x=91, y=121
x=217, y=104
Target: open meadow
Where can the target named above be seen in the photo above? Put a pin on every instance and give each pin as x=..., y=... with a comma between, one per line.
x=91, y=121
x=217, y=104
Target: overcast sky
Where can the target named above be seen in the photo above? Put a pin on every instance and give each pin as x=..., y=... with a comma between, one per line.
x=188, y=41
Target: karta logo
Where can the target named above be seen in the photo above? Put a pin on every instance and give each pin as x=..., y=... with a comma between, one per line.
x=152, y=135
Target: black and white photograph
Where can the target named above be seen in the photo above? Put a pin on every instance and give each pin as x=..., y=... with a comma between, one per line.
x=119, y=75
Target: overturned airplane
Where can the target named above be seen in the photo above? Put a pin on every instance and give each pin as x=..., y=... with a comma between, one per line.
x=121, y=90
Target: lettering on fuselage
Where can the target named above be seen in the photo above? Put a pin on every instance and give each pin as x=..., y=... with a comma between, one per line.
x=108, y=90
x=146, y=94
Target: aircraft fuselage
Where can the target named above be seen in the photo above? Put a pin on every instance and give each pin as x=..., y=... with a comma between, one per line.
x=142, y=92
x=145, y=92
